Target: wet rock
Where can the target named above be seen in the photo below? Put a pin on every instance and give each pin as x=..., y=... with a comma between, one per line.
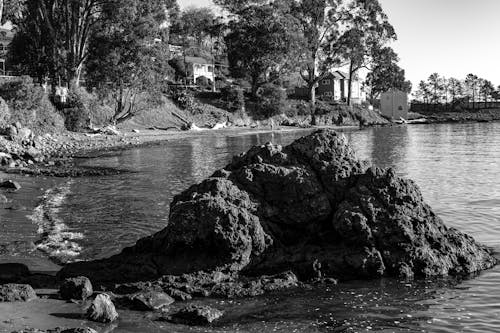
x=17, y=293
x=59, y=330
x=178, y=295
x=102, y=310
x=3, y=199
x=9, y=184
x=79, y=288
x=147, y=301
x=195, y=315
x=313, y=208
x=10, y=273
x=80, y=330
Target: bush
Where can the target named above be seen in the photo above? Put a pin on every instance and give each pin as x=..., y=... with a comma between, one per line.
x=30, y=106
x=85, y=109
x=184, y=99
x=4, y=114
x=271, y=100
x=234, y=97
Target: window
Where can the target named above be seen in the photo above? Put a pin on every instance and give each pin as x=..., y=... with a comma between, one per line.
x=210, y=69
x=326, y=82
x=328, y=93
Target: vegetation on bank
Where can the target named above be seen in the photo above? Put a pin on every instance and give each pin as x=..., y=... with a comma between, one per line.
x=121, y=59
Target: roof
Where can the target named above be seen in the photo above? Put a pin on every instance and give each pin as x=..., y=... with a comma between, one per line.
x=337, y=75
x=197, y=60
x=6, y=34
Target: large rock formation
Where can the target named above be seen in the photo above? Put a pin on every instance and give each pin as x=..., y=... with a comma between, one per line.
x=313, y=208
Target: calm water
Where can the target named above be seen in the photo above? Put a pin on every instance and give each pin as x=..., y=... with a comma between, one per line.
x=456, y=167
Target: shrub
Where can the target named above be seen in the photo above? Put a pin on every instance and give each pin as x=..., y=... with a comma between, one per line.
x=234, y=97
x=30, y=105
x=184, y=99
x=271, y=100
x=4, y=114
x=84, y=109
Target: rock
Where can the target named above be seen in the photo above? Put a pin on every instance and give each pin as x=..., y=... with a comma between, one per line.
x=80, y=330
x=313, y=208
x=195, y=315
x=9, y=184
x=3, y=200
x=32, y=153
x=78, y=288
x=24, y=134
x=11, y=273
x=147, y=301
x=12, y=132
x=178, y=295
x=102, y=310
x=17, y=293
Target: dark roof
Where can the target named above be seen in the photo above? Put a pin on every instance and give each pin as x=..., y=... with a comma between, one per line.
x=337, y=75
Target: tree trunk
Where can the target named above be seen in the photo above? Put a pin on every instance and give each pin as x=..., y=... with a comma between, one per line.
x=349, y=84
x=1, y=11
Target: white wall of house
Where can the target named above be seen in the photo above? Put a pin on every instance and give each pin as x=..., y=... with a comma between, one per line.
x=206, y=70
x=394, y=104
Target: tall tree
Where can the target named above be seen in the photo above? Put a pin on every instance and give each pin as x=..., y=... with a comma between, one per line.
x=385, y=73
x=261, y=39
x=435, y=82
x=455, y=87
x=472, y=84
x=486, y=90
x=127, y=55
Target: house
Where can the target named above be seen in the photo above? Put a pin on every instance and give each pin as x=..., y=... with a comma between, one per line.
x=199, y=68
x=394, y=104
x=6, y=37
x=335, y=86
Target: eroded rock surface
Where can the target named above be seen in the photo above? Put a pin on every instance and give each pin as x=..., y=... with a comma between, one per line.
x=17, y=293
x=79, y=288
x=102, y=310
x=312, y=208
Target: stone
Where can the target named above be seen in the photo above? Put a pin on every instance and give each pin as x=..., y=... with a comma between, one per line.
x=24, y=134
x=11, y=273
x=17, y=293
x=147, y=301
x=80, y=330
x=195, y=315
x=102, y=310
x=178, y=295
x=79, y=288
x=312, y=208
x=9, y=184
x=3, y=200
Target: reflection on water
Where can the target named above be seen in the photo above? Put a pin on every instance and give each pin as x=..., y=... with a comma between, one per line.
x=454, y=165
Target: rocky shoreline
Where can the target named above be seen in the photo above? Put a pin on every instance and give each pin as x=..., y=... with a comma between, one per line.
x=274, y=218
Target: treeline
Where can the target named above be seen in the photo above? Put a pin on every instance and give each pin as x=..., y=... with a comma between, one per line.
x=120, y=48
x=441, y=90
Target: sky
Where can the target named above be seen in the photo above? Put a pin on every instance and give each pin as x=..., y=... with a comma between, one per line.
x=450, y=37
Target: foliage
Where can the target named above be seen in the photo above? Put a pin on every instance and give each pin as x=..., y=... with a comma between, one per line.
x=271, y=100
x=30, y=106
x=261, y=40
x=4, y=114
x=184, y=99
x=234, y=97
x=125, y=57
x=85, y=109
x=386, y=73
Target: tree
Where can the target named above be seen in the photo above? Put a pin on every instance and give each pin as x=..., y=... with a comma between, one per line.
x=385, y=73
x=436, y=87
x=455, y=88
x=126, y=56
x=261, y=39
x=424, y=92
x=472, y=85
x=370, y=31
x=486, y=90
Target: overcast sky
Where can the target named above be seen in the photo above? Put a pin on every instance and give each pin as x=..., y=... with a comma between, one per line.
x=451, y=37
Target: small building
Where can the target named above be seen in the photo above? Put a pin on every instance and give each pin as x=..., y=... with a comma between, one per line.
x=394, y=104
x=6, y=37
x=335, y=87
x=199, y=68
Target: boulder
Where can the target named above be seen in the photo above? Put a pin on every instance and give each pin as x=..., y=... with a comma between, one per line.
x=3, y=200
x=11, y=185
x=313, y=208
x=195, y=315
x=147, y=301
x=17, y=293
x=78, y=288
x=11, y=273
x=102, y=310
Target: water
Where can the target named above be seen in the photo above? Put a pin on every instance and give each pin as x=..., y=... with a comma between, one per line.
x=454, y=165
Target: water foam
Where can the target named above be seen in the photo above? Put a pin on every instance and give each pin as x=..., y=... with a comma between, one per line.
x=57, y=241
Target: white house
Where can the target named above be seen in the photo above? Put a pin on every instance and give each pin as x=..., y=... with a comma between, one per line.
x=198, y=67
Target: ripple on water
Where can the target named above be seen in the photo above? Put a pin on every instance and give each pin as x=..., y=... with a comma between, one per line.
x=57, y=241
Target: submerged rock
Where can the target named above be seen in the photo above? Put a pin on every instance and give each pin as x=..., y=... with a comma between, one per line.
x=17, y=293
x=102, y=310
x=10, y=273
x=9, y=184
x=313, y=208
x=78, y=288
x=147, y=301
x=195, y=315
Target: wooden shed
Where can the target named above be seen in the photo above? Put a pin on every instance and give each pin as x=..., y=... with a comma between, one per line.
x=394, y=104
